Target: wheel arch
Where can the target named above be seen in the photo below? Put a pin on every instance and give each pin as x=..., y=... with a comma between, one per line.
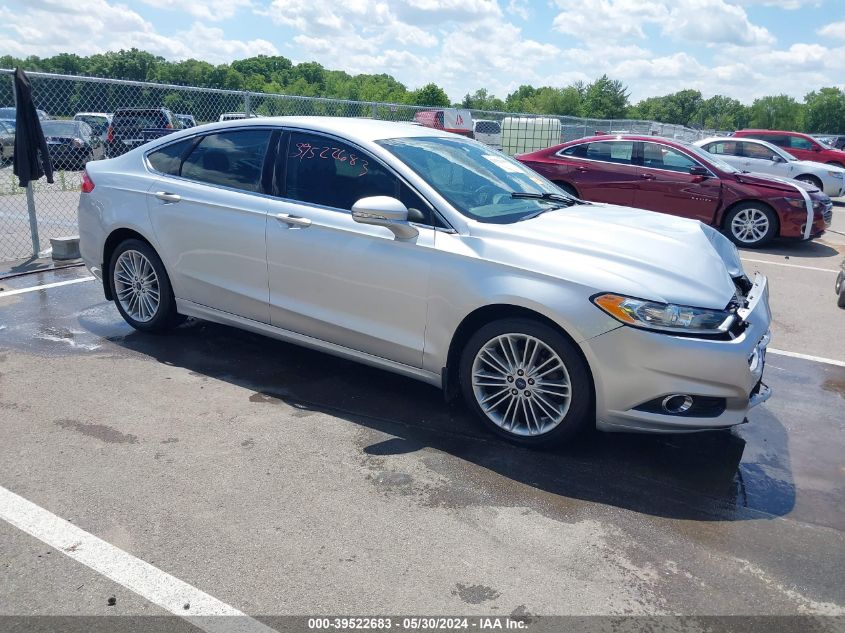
x=487, y=314
x=564, y=184
x=726, y=211
x=812, y=178
x=116, y=237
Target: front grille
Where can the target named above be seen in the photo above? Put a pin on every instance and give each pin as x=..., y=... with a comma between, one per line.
x=827, y=213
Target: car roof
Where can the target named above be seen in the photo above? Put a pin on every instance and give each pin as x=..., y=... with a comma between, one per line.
x=756, y=131
x=627, y=137
x=361, y=130
x=105, y=114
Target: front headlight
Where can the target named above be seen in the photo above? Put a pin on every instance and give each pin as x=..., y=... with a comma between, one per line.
x=836, y=174
x=665, y=317
x=798, y=203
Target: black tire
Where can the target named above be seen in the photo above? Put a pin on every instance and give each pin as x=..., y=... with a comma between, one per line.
x=754, y=209
x=579, y=412
x=165, y=316
x=811, y=180
x=840, y=289
x=567, y=188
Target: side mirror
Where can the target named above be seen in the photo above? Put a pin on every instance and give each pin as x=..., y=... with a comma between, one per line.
x=698, y=170
x=778, y=159
x=817, y=148
x=387, y=212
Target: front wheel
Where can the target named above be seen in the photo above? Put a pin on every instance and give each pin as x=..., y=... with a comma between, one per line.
x=811, y=180
x=751, y=225
x=527, y=382
x=141, y=288
x=840, y=289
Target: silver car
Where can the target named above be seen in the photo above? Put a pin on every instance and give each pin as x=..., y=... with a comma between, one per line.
x=433, y=256
x=753, y=155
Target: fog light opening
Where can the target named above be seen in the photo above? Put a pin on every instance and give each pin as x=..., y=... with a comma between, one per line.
x=677, y=403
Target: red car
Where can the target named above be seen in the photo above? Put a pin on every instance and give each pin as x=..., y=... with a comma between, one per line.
x=802, y=146
x=678, y=178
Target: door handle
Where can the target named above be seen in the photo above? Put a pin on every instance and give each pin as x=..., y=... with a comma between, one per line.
x=647, y=176
x=582, y=169
x=293, y=220
x=168, y=197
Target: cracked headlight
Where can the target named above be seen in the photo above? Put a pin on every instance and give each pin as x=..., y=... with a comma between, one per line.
x=665, y=317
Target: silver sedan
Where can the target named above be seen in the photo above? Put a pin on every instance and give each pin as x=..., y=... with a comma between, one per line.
x=430, y=255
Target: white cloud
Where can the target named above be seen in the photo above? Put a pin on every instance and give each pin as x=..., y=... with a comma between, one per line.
x=48, y=27
x=834, y=30
x=209, y=10
x=702, y=21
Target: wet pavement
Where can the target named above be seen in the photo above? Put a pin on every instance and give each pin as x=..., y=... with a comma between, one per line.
x=282, y=480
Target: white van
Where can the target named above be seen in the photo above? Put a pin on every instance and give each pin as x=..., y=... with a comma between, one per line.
x=488, y=132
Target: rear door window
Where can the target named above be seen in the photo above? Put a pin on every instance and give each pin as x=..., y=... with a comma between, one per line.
x=723, y=148
x=232, y=159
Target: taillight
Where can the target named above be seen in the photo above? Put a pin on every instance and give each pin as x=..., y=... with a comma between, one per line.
x=110, y=135
x=87, y=183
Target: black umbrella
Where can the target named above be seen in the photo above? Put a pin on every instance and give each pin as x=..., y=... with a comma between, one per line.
x=29, y=137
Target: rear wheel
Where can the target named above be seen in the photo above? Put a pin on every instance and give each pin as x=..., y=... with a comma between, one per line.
x=751, y=224
x=840, y=289
x=141, y=288
x=526, y=382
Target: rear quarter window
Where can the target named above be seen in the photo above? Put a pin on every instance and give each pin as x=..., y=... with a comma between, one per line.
x=232, y=159
x=168, y=159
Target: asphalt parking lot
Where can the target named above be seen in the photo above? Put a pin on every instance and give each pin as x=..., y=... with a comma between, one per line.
x=273, y=480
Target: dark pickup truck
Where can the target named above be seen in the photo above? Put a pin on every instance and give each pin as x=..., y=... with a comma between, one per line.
x=131, y=127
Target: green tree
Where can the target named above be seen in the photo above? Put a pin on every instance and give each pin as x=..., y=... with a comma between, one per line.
x=825, y=111
x=777, y=113
x=723, y=113
x=605, y=98
x=429, y=95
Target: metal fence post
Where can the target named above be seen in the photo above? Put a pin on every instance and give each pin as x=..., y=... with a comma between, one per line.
x=246, y=104
x=33, y=221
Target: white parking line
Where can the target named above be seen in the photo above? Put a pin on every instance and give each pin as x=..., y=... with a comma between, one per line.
x=816, y=359
x=766, y=261
x=151, y=583
x=20, y=291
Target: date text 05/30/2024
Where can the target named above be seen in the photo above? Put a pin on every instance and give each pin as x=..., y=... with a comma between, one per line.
x=416, y=623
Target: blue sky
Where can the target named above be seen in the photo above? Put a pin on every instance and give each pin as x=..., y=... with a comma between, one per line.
x=741, y=48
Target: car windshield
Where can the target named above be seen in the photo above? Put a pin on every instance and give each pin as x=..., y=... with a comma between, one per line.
x=707, y=157
x=476, y=180
x=60, y=128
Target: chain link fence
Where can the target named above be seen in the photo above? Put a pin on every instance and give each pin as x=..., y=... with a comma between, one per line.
x=66, y=101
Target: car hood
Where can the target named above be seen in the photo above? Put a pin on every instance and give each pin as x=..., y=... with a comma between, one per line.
x=628, y=251
x=773, y=182
x=816, y=167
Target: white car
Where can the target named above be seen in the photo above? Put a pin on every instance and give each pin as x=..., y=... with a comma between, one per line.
x=488, y=132
x=235, y=116
x=436, y=257
x=761, y=157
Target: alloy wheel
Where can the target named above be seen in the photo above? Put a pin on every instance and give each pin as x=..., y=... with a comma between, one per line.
x=750, y=225
x=136, y=286
x=521, y=384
